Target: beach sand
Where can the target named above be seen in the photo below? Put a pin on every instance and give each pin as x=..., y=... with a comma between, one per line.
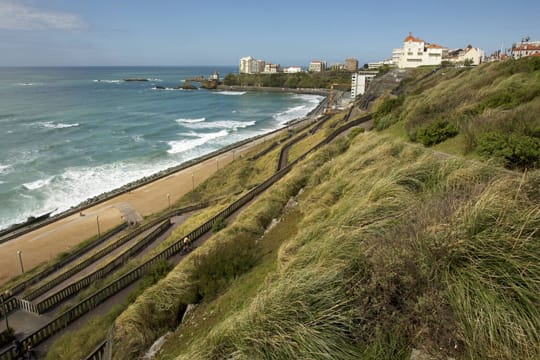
x=46, y=242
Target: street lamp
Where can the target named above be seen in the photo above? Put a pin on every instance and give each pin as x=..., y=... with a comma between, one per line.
x=98, y=230
x=19, y=253
x=192, y=182
x=169, y=199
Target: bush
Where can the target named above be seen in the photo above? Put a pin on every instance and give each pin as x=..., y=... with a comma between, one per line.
x=219, y=224
x=517, y=151
x=384, y=115
x=355, y=132
x=436, y=132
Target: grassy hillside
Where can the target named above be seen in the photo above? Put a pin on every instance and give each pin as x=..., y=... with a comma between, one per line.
x=381, y=247
x=493, y=110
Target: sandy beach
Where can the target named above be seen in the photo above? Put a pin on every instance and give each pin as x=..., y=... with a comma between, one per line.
x=44, y=243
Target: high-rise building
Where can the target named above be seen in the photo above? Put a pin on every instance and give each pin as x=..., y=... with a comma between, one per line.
x=317, y=66
x=351, y=64
x=250, y=65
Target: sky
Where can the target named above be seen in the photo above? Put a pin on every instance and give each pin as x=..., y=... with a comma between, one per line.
x=220, y=32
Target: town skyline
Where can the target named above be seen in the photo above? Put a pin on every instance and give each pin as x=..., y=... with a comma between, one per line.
x=165, y=33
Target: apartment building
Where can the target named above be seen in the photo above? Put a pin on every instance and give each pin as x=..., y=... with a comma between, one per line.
x=317, y=66
x=416, y=52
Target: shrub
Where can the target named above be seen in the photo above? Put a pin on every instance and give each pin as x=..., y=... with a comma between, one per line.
x=384, y=115
x=517, y=151
x=355, y=132
x=436, y=132
x=219, y=224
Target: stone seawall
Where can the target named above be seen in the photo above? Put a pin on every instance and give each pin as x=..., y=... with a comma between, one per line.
x=323, y=92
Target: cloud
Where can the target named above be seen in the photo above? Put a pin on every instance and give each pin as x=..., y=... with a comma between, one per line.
x=15, y=15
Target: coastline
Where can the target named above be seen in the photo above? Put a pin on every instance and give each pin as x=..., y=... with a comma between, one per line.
x=18, y=229
x=322, y=92
x=43, y=241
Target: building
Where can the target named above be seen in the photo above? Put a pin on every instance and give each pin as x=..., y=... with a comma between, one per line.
x=416, y=52
x=317, y=66
x=270, y=68
x=526, y=48
x=250, y=65
x=293, y=69
x=214, y=76
x=351, y=64
x=378, y=64
x=360, y=82
x=474, y=56
x=337, y=67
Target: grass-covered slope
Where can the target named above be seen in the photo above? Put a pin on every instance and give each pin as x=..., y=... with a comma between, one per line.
x=494, y=109
x=387, y=247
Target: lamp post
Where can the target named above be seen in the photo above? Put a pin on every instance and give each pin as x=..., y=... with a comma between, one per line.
x=98, y=230
x=5, y=311
x=192, y=182
x=169, y=199
x=19, y=253
x=217, y=163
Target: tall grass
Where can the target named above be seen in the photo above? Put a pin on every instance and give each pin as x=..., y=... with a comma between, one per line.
x=397, y=249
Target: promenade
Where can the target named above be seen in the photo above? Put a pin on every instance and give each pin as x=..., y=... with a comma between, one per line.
x=45, y=243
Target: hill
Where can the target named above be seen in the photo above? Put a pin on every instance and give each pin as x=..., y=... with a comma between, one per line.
x=371, y=247
x=491, y=110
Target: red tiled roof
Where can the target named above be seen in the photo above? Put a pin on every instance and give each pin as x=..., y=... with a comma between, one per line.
x=526, y=47
x=434, y=46
x=412, y=38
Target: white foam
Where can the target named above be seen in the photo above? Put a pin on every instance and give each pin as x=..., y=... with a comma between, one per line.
x=298, y=111
x=190, y=121
x=137, y=138
x=188, y=144
x=3, y=168
x=109, y=81
x=51, y=125
x=156, y=80
x=233, y=93
x=221, y=124
x=38, y=183
x=26, y=84
x=167, y=89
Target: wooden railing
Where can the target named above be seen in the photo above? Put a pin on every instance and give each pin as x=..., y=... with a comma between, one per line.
x=101, y=295
x=100, y=273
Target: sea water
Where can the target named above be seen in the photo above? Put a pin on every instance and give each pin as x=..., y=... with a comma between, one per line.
x=69, y=134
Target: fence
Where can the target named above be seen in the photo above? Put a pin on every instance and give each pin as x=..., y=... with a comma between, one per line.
x=99, y=254
x=77, y=286
x=94, y=300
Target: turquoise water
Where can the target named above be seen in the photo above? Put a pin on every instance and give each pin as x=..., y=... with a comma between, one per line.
x=68, y=134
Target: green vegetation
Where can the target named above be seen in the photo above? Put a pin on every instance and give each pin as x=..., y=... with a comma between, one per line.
x=291, y=81
x=416, y=252
x=494, y=106
x=78, y=344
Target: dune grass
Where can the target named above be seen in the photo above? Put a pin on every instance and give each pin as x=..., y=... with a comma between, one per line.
x=417, y=252
x=500, y=98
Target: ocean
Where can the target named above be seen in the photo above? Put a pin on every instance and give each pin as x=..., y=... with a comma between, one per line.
x=69, y=134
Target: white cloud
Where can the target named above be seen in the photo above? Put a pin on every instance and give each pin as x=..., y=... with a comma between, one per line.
x=15, y=15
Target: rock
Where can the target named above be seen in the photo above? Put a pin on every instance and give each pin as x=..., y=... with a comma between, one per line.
x=135, y=79
x=159, y=87
x=189, y=86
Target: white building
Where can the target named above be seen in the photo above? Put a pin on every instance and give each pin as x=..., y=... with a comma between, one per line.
x=360, y=82
x=475, y=56
x=270, y=68
x=416, y=52
x=317, y=66
x=293, y=69
x=250, y=65
x=526, y=48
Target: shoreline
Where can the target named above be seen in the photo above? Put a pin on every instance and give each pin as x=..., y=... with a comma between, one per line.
x=20, y=229
x=322, y=92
